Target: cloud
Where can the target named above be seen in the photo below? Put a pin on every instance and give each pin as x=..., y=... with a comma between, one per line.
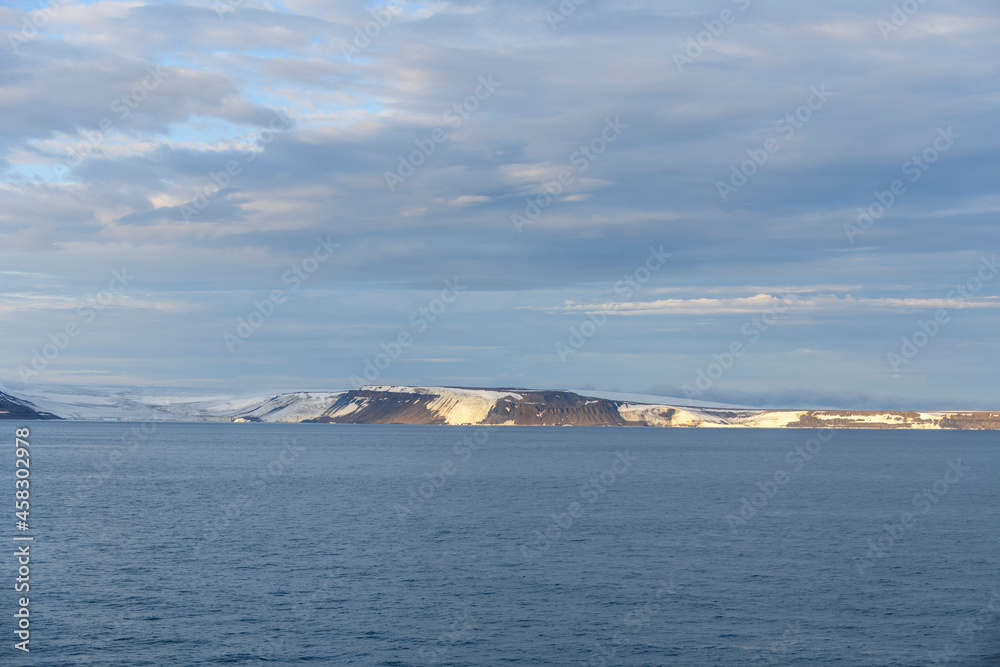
x=86, y=187
x=823, y=303
x=470, y=200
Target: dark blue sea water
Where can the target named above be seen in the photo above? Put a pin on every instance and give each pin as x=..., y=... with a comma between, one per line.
x=256, y=544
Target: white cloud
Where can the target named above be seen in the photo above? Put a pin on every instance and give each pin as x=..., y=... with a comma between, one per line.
x=470, y=200
x=762, y=302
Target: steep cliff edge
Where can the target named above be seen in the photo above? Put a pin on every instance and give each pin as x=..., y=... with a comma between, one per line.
x=456, y=405
x=16, y=408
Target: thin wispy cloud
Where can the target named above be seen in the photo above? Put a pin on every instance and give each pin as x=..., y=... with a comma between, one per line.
x=826, y=303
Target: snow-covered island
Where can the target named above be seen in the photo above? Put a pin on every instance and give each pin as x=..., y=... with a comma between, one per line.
x=377, y=404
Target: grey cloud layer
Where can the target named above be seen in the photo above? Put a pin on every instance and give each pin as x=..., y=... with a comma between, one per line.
x=222, y=78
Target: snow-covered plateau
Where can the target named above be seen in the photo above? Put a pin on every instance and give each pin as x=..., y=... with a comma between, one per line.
x=391, y=404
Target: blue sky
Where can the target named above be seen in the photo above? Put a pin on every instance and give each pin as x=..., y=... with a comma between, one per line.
x=206, y=148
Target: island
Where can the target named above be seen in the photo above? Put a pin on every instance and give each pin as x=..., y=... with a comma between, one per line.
x=469, y=406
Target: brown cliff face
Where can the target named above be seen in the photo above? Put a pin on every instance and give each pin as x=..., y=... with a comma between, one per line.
x=383, y=407
x=534, y=408
x=556, y=408
x=849, y=419
x=897, y=420
x=971, y=420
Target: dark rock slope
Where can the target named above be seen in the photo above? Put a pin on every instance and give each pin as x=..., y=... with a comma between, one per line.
x=15, y=408
x=382, y=407
x=556, y=408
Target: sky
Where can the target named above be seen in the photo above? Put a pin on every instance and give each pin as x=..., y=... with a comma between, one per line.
x=764, y=202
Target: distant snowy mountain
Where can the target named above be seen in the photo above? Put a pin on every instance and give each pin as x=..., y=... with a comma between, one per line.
x=297, y=407
x=389, y=404
x=16, y=408
x=87, y=402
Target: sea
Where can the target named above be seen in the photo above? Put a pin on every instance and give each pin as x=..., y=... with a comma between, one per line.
x=317, y=544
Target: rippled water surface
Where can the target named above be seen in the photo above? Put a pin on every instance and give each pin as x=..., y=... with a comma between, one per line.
x=258, y=544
